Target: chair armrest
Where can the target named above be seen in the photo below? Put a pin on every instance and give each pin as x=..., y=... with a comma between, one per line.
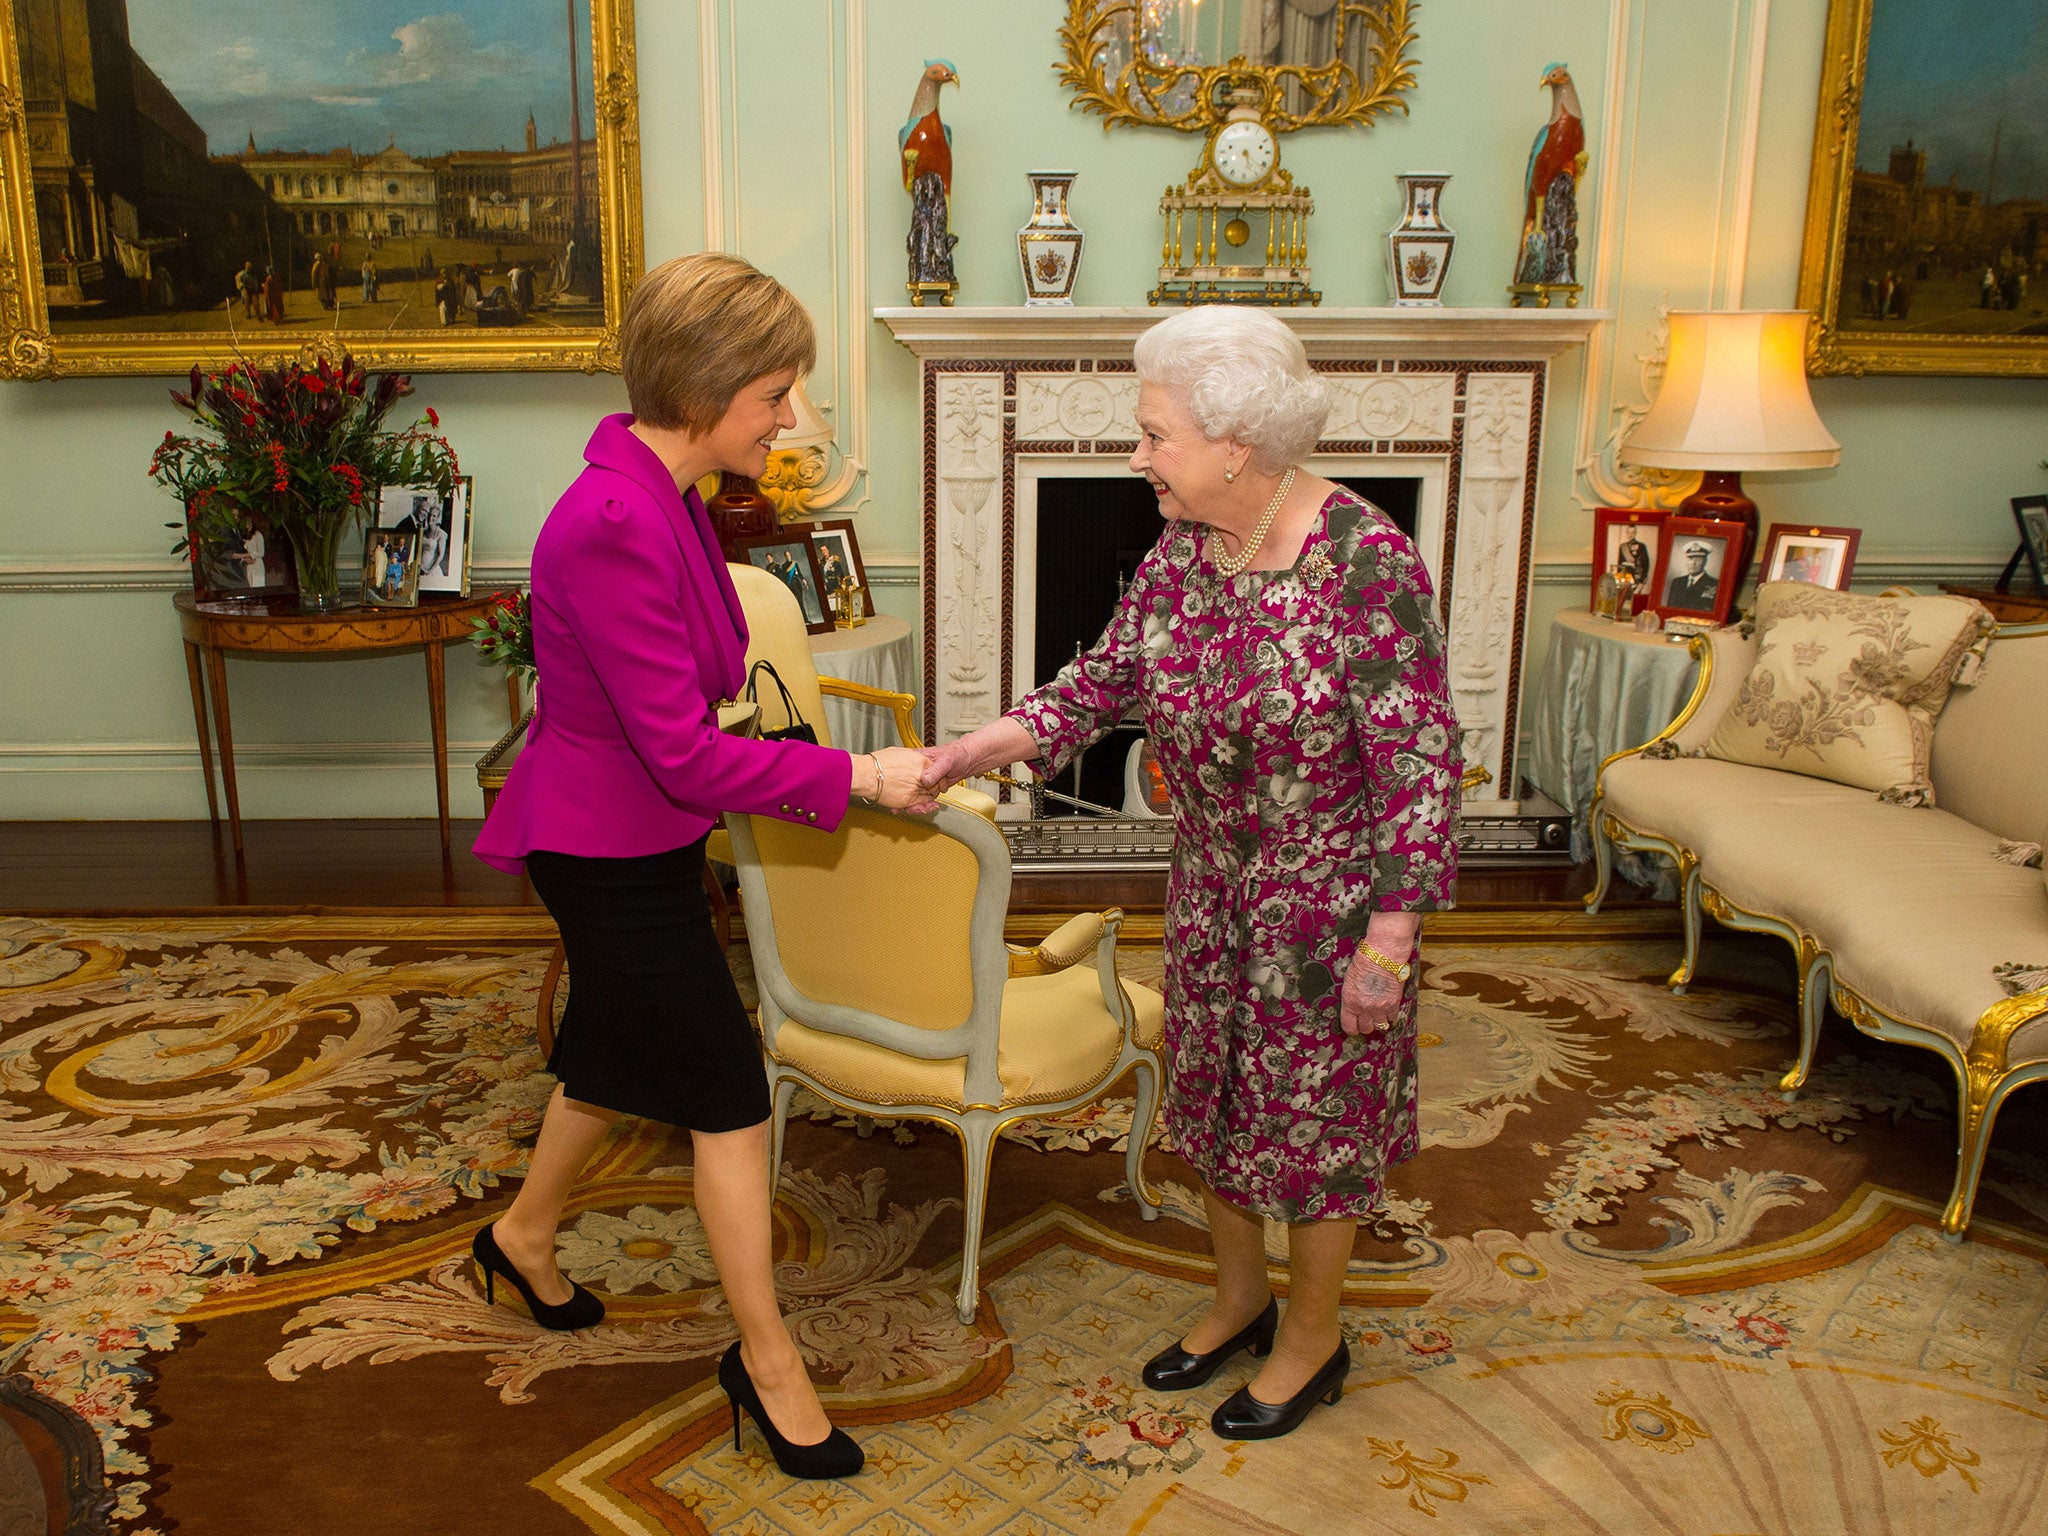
x=902, y=705
x=1069, y=944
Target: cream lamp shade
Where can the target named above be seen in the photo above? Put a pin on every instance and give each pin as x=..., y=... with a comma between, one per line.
x=1734, y=397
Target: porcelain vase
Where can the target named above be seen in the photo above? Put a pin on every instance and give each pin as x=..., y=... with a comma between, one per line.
x=1419, y=247
x=1050, y=244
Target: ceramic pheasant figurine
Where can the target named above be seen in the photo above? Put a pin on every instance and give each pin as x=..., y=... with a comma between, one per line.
x=927, y=147
x=1550, y=211
x=927, y=143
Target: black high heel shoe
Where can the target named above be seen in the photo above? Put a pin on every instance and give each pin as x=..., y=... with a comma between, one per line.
x=1244, y=1417
x=1173, y=1369
x=581, y=1310
x=834, y=1456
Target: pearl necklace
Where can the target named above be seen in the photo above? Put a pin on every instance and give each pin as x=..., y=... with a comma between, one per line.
x=1233, y=565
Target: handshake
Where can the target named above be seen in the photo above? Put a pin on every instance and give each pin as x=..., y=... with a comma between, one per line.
x=909, y=778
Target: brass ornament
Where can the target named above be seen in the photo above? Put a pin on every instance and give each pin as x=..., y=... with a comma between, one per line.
x=1186, y=97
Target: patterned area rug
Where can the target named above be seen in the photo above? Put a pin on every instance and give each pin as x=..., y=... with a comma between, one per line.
x=1625, y=1287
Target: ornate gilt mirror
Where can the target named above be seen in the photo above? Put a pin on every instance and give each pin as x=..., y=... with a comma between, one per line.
x=1174, y=63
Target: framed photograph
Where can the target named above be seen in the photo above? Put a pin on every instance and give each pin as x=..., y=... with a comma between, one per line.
x=186, y=180
x=1820, y=557
x=1627, y=538
x=1921, y=209
x=838, y=553
x=443, y=524
x=391, y=568
x=789, y=558
x=249, y=563
x=1690, y=566
x=2031, y=513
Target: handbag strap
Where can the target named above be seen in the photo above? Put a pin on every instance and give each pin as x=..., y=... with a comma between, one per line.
x=789, y=708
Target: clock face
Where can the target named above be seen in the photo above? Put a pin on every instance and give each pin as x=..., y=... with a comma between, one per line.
x=1244, y=153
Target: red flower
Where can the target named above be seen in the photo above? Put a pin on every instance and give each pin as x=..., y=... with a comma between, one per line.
x=433, y=417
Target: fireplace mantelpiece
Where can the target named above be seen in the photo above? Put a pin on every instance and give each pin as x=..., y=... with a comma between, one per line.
x=1011, y=396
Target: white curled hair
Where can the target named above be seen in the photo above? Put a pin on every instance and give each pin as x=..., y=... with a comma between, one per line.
x=1244, y=375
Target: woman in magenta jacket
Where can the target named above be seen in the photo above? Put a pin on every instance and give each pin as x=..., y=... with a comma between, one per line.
x=637, y=636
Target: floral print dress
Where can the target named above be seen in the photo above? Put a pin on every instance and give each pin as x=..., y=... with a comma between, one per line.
x=1302, y=720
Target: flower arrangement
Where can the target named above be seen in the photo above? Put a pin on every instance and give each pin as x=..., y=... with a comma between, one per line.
x=297, y=449
x=503, y=635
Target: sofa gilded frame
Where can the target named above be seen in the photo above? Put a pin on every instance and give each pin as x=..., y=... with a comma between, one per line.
x=1983, y=1073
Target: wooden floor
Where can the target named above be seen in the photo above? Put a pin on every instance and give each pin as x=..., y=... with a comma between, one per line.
x=79, y=868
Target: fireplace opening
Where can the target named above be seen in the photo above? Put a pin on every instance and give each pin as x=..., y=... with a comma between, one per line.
x=1092, y=532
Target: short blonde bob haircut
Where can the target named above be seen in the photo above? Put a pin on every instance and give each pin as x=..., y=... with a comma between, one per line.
x=1243, y=375
x=699, y=329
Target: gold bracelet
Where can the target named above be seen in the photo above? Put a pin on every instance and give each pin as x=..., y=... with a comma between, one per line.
x=1400, y=970
x=881, y=780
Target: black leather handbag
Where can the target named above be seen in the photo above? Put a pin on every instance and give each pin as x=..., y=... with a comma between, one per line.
x=798, y=729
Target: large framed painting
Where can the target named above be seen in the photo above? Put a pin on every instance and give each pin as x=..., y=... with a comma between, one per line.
x=454, y=186
x=1926, y=226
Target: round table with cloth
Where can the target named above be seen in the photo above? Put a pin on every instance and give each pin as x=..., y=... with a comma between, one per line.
x=1606, y=687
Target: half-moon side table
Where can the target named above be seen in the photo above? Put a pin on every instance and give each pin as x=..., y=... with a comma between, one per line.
x=212, y=630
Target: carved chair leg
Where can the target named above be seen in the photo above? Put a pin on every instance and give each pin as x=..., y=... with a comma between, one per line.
x=1689, y=911
x=1603, y=862
x=544, y=1011
x=977, y=1147
x=785, y=1090
x=1815, y=978
x=1144, y=1110
x=1980, y=1094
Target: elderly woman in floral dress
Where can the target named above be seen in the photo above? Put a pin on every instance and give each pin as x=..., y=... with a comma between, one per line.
x=1281, y=644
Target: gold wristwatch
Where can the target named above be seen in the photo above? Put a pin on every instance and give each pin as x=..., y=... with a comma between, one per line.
x=1400, y=970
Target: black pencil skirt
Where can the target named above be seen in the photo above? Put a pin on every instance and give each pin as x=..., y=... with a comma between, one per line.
x=654, y=1025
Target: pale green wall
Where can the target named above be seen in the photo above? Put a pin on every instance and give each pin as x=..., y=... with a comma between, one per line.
x=96, y=720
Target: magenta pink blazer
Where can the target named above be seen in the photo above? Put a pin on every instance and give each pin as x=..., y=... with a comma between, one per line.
x=637, y=633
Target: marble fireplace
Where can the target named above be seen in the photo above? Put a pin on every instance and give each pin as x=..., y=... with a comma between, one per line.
x=1452, y=398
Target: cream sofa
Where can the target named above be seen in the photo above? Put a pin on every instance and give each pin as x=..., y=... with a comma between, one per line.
x=1897, y=915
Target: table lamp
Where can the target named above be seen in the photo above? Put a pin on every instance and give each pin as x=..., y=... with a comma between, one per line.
x=1734, y=398
x=797, y=462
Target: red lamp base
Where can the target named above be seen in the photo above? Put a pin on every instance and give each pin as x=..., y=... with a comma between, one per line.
x=1720, y=495
x=738, y=511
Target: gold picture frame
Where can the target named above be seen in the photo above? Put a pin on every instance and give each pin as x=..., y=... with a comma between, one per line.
x=1830, y=271
x=1110, y=74
x=496, y=333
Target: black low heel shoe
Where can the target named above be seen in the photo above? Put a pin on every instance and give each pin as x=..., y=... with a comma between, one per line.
x=1172, y=1370
x=581, y=1310
x=834, y=1456
x=1244, y=1417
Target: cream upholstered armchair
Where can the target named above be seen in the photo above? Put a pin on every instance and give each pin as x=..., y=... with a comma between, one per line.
x=886, y=988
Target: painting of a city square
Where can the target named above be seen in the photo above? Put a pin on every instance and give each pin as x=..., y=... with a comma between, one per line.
x=262, y=169
x=1945, y=234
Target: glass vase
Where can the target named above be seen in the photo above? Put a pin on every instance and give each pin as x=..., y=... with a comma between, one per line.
x=316, y=543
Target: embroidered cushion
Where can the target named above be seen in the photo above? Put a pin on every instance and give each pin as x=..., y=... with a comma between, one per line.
x=1847, y=686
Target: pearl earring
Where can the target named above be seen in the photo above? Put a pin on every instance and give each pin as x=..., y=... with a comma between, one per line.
x=1229, y=476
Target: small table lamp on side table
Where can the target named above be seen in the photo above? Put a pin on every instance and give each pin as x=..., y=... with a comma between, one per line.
x=1734, y=398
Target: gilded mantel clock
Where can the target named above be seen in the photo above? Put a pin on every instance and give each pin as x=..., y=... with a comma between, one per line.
x=1237, y=228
